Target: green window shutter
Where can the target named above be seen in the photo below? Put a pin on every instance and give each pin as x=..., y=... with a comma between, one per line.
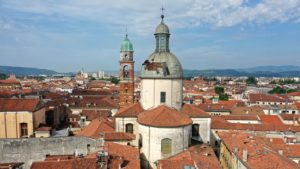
x=166, y=146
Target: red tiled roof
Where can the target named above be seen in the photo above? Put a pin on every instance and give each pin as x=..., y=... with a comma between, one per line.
x=164, y=116
x=93, y=114
x=73, y=163
x=96, y=127
x=129, y=154
x=194, y=111
x=298, y=105
x=199, y=156
x=271, y=119
x=240, y=117
x=10, y=81
x=220, y=123
x=130, y=111
x=92, y=92
x=243, y=110
x=115, y=136
x=260, y=155
x=19, y=104
x=256, y=97
x=290, y=116
x=294, y=94
x=215, y=107
x=103, y=102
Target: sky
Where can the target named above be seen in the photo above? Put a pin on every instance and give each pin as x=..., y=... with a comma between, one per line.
x=70, y=35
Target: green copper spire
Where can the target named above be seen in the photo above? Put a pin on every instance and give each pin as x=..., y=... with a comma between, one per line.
x=126, y=45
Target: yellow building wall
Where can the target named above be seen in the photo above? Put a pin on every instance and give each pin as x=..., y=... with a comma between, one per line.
x=10, y=123
x=2, y=125
x=39, y=117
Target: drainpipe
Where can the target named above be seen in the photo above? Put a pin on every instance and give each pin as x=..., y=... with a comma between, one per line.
x=5, y=124
x=123, y=125
x=149, y=146
x=182, y=138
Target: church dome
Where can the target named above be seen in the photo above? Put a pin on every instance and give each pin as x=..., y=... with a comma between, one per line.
x=162, y=28
x=162, y=65
x=126, y=45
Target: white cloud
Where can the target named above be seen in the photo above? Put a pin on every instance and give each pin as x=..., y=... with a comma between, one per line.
x=141, y=15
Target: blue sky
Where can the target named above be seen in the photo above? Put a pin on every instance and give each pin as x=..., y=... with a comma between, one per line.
x=70, y=35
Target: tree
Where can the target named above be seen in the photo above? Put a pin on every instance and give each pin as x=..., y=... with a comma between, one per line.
x=223, y=96
x=219, y=89
x=3, y=76
x=251, y=80
x=279, y=90
x=114, y=80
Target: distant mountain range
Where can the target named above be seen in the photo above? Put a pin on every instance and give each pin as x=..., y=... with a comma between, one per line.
x=259, y=71
x=25, y=71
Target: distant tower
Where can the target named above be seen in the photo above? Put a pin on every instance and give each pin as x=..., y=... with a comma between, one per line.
x=126, y=73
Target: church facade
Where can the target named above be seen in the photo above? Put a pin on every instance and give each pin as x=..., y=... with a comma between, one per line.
x=162, y=124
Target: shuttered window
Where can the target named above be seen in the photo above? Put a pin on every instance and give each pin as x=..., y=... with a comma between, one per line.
x=129, y=128
x=24, y=129
x=166, y=146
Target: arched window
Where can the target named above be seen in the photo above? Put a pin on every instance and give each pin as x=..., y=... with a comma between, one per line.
x=166, y=146
x=88, y=148
x=129, y=128
x=140, y=141
x=126, y=71
x=24, y=129
x=195, y=130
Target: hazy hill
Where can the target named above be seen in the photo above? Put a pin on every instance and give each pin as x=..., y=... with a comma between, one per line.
x=286, y=68
x=259, y=71
x=25, y=71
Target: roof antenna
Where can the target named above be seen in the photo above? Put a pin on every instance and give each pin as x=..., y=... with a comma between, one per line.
x=162, y=12
x=126, y=32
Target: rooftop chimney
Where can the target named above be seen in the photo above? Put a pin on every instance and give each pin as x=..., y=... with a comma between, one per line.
x=280, y=152
x=245, y=155
x=76, y=152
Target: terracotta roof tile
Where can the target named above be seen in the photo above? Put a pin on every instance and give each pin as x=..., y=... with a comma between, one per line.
x=256, y=97
x=164, y=116
x=240, y=117
x=129, y=154
x=243, y=110
x=194, y=111
x=115, y=136
x=260, y=155
x=73, y=163
x=19, y=104
x=199, y=156
x=93, y=114
x=215, y=107
x=96, y=127
x=220, y=123
x=271, y=119
x=130, y=111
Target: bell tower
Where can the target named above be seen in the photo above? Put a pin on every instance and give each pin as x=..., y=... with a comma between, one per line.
x=126, y=73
